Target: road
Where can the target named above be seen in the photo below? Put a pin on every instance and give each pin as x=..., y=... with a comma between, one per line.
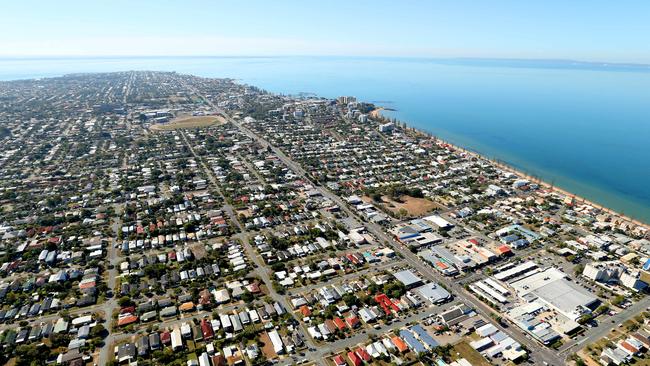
x=362, y=337
x=111, y=304
x=376, y=268
x=605, y=327
x=260, y=267
x=537, y=351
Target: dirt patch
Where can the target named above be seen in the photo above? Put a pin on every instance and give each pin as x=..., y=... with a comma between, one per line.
x=466, y=351
x=188, y=122
x=198, y=250
x=587, y=359
x=244, y=212
x=414, y=206
x=267, y=349
x=179, y=99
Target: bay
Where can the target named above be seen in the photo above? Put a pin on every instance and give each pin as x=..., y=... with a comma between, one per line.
x=584, y=127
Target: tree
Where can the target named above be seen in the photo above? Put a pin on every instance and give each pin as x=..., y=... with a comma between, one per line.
x=578, y=360
x=31, y=354
x=125, y=301
x=403, y=212
x=578, y=269
x=395, y=289
x=618, y=300
x=278, y=288
x=165, y=356
x=585, y=318
x=59, y=340
x=247, y=297
x=602, y=309
x=351, y=300
x=571, y=258
x=97, y=331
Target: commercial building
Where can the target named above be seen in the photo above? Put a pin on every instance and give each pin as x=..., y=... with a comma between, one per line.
x=551, y=288
x=434, y=293
x=408, y=278
x=614, y=272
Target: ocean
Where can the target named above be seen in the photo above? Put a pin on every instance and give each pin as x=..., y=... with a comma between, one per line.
x=584, y=127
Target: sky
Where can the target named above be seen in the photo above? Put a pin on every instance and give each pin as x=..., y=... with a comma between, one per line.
x=588, y=30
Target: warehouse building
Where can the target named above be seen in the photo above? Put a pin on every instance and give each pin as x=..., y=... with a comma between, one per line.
x=552, y=289
x=408, y=279
x=434, y=293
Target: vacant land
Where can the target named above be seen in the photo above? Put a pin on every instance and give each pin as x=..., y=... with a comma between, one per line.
x=267, y=348
x=414, y=206
x=188, y=122
x=245, y=212
x=587, y=359
x=467, y=352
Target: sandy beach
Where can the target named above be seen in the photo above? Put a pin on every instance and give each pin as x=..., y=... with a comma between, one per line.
x=616, y=216
x=376, y=113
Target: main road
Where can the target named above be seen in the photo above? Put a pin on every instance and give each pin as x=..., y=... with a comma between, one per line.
x=537, y=351
x=260, y=267
x=604, y=327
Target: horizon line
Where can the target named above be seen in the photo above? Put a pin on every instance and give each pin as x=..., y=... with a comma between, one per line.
x=442, y=58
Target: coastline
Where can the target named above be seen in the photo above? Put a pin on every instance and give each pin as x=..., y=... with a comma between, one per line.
x=579, y=199
x=616, y=216
x=376, y=113
x=482, y=128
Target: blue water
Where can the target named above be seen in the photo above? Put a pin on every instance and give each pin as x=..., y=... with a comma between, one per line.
x=583, y=127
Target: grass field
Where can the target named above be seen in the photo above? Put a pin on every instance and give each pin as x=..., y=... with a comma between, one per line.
x=188, y=122
x=470, y=354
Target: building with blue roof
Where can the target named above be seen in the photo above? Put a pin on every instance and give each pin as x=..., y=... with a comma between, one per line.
x=646, y=266
x=421, y=225
x=412, y=342
x=424, y=336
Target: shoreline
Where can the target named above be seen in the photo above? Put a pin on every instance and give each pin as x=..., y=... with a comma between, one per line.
x=616, y=216
x=376, y=113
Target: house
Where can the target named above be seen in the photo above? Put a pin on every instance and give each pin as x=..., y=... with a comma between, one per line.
x=278, y=346
x=412, y=342
x=339, y=361
x=614, y=356
x=352, y=322
x=399, y=344
x=142, y=345
x=125, y=352
x=363, y=354
x=127, y=319
x=154, y=341
x=206, y=330
x=176, y=339
x=356, y=360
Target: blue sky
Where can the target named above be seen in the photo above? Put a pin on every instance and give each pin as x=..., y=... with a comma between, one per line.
x=592, y=30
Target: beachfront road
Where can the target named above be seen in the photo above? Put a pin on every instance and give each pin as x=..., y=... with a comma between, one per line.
x=538, y=352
